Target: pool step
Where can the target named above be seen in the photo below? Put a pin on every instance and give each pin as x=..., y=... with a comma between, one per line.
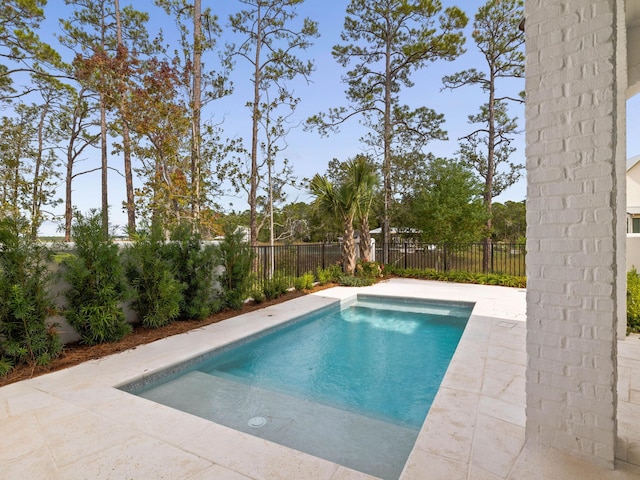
x=347, y=438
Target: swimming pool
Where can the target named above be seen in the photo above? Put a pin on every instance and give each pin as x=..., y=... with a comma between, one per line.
x=352, y=384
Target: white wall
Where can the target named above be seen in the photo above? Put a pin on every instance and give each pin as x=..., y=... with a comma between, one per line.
x=576, y=165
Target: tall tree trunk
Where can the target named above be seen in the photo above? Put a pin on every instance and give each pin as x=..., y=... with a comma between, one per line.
x=386, y=166
x=488, y=187
x=104, y=168
x=36, y=217
x=128, y=175
x=126, y=139
x=196, y=101
x=103, y=139
x=255, y=117
x=68, y=207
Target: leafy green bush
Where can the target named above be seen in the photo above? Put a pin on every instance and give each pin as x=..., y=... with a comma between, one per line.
x=633, y=300
x=331, y=274
x=369, y=269
x=276, y=286
x=158, y=295
x=304, y=282
x=96, y=283
x=25, y=303
x=459, y=276
x=257, y=295
x=194, y=265
x=353, y=281
x=236, y=257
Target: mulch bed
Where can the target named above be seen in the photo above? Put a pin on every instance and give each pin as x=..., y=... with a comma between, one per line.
x=75, y=353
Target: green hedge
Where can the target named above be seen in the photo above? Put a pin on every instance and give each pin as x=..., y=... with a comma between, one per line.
x=459, y=276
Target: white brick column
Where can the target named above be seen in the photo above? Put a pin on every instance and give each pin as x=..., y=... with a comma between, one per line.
x=575, y=215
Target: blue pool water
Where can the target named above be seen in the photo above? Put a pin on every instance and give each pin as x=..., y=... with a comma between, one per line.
x=352, y=385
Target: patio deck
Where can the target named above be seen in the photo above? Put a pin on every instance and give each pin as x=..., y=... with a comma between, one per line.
x=73, y=424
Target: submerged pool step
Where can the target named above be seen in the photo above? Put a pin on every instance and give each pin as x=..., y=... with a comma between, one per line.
x=356, y=441
x=428, y=309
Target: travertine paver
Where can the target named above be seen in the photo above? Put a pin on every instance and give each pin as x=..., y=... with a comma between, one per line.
x=65, y=424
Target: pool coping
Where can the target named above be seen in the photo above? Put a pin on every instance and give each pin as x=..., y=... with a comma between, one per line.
x=66, y=423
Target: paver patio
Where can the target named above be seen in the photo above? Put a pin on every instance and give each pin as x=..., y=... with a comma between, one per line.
x=73, y=424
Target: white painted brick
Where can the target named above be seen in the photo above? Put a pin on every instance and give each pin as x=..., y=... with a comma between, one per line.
x=547, y=365
x=546, y=339
x=561, y=189
x=598, y=407
x=571, y=237
x=556, y=231
x=591, y=347
x=587, y=317
x=547, y=174
x=591, y=289
x=590, y=230
x=589, y=375
x=561, y=355
x=560, y=216
x=565, y=328
x=562, y=273
x=562, y=245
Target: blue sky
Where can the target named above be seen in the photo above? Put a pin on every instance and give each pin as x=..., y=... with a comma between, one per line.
x=308, y=152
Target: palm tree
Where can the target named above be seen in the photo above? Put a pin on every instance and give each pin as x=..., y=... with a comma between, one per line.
x=340, y=203
x=362, y=176
x=346, y=200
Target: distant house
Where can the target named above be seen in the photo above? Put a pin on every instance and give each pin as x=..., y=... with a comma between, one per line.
x=399, y=236
x=397, y=231
x=633, y=194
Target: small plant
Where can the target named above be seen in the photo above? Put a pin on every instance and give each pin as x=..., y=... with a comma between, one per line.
x=158, y=295
x=236, y=257
x=25, y=305
x=353, y=281
x=369, y=269
x=276, y=286
x=257, y=295
x=633, y=300
x=194, y=265
x=331, y=274
x=96, y=283
x=459, y=276
x=304, y=282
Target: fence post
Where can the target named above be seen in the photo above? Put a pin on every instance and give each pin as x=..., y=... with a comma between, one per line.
x=297, y=260
x=265, y=267
x=405, y=255
x=493, y=266
x=446, y=258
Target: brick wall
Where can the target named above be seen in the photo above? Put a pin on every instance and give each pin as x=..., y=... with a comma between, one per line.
x=575, y=166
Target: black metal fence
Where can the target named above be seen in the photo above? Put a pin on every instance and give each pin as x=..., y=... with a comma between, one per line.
x=503, y=258
x=295, y=260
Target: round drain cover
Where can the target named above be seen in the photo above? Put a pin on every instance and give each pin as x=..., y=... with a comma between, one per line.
x=257, y=422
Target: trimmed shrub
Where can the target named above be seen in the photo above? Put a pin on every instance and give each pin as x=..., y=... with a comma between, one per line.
x=369, y=269
x=158, y=295
x=304, y=282
x=459, y=276
x=236, y=257
x=257, y=295
x=354, y=281
x=96, y=283
x=276, y=286
x=194, y=265
x=633, y=300
x=331, y=274
x=25, y=302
